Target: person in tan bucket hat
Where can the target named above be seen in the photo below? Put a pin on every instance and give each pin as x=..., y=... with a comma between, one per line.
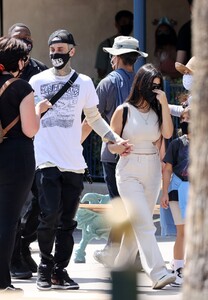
x=189, y=68
x=187, y=71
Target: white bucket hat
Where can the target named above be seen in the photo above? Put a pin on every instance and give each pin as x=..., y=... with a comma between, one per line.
x=124, y=44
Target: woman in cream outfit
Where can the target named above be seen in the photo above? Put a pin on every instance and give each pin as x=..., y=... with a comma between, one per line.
x=138, y=174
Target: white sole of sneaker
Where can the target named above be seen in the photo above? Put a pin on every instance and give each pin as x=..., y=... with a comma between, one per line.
x=173, y=284
x=41, y=288
x=61, y=287
x=165, y=280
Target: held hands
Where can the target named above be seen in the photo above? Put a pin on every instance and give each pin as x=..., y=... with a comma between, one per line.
x=164, y=201
x=43, y=105
x=122, y=147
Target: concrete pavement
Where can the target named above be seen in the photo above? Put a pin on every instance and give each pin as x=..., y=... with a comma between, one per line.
x=94, y=279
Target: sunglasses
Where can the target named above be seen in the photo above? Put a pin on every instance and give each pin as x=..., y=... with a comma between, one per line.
x=28, y=43
x=156, y=86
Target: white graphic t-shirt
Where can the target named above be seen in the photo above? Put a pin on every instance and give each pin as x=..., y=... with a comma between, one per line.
x=58, y=139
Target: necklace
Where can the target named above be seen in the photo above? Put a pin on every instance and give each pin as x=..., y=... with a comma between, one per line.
x=145, y=119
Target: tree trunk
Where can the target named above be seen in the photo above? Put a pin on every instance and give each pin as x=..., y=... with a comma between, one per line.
x=196, y=271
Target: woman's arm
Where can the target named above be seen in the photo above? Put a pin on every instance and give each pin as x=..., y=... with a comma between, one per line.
x=167, y=124
x=30, y=114
x=116, y=125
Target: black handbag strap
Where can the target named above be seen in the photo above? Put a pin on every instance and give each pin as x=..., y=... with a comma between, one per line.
x=66, y=86
x=125, y=114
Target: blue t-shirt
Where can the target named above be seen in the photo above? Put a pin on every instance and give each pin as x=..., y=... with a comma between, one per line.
x=112, y=91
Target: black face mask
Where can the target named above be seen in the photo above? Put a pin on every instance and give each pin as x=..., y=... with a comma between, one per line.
x=149, y=95
x=25, y=59
x=184, y=127
x=59, y=60
x=163, y=39
x=126, y=29
x=19, y=73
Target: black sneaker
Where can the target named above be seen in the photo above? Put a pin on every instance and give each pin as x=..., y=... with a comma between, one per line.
x=61, y=280
x=44, y=277
x=19, y=270
x=11, y=289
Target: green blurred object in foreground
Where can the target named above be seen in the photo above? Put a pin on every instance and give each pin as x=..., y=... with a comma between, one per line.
x=124, y=284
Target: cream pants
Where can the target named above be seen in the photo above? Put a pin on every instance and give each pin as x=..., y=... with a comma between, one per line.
x=139, y=179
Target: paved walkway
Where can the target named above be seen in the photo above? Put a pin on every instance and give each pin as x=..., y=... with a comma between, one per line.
x=94, y=279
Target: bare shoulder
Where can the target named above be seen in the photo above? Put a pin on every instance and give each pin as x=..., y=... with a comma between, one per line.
x=119, y=109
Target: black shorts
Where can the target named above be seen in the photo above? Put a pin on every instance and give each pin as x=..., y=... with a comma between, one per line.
x=173, y=195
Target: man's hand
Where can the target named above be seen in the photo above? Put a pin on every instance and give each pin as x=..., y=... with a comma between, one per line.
x=121, y=147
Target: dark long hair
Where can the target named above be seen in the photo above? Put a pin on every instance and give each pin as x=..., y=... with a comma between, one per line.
x=143, y=81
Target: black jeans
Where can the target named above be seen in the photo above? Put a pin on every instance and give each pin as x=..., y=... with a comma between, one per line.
x=27, y=227
x=17, y=168
x=58, y=195
x=109, y=170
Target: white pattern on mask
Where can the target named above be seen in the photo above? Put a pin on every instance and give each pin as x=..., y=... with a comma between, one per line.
x=187, y=81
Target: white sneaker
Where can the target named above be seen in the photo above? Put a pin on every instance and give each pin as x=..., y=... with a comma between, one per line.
x=172, y=264
x=163, y=281
x=179, y=278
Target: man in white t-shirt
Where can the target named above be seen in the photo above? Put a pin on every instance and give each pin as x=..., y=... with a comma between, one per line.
x=59, y=159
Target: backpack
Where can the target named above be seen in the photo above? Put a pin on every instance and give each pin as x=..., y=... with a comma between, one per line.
x=4, y=131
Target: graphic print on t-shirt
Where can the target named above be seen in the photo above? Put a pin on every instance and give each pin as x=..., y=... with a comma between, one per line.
x=62, y=113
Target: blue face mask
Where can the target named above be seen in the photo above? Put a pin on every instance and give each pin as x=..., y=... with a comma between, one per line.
x=187, y=81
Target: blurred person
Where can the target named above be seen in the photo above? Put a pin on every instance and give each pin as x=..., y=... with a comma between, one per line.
x=184, y=47
x=33, y=66
x=124, y=26
x=59, y=159
x=139, y=174
x=22, y=263
x=17, y=166
x=165, y=48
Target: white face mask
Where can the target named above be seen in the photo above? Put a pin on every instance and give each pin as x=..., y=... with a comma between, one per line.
x=187, y=81
x=113, y=62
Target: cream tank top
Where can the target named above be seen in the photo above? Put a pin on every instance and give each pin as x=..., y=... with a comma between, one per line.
x=142, y=130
